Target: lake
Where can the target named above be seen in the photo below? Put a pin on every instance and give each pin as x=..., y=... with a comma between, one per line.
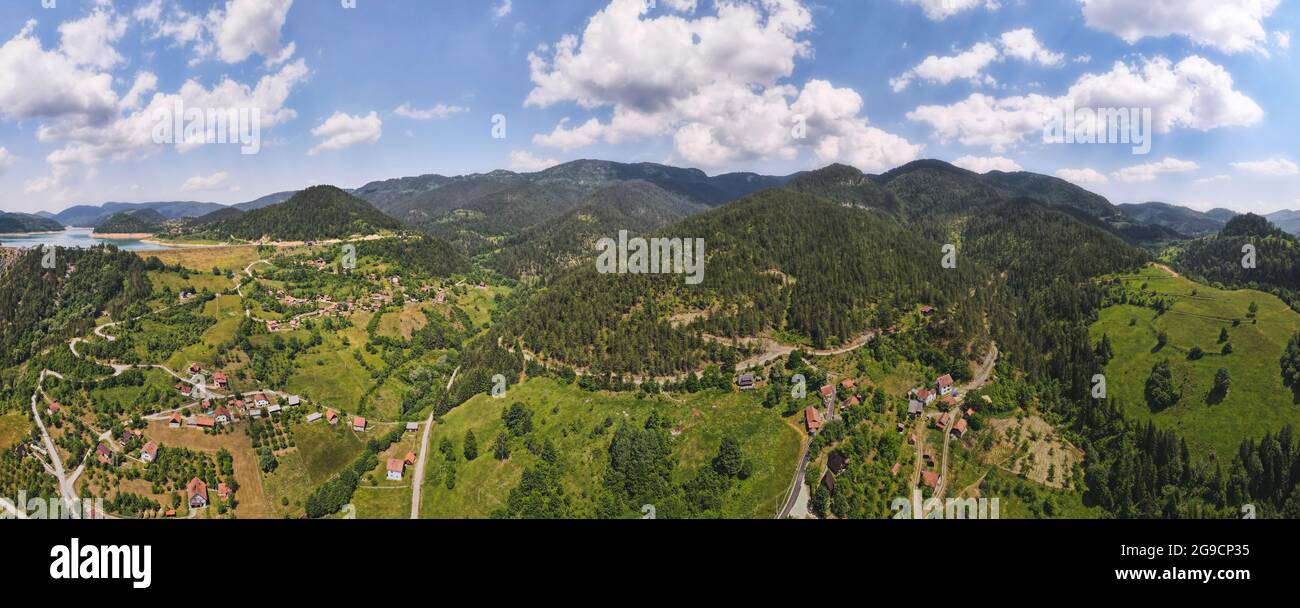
x=76, y=237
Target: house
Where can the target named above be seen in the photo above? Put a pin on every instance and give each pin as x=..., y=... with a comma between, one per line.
x=959, y=429
x=930, y=478
x=914, y=407
x=198, y=493
x=813, y=419
x=947, y=402
x=223, y=491
x=221, y=415
x=149, y=453
x=410, y=458
x=828, y=395
x=313, y=417
x=294, y=401
x=331, y=417
x=104, y=454
x=260, y=399
x=358, y=424
x=175, y=421
x=745, y=382
x=412, y=426
x=54, y=408
x=837, y=462
x=186, y=390
x=204, y=422
x=944, y=384
x=850, y=403
x=195, y=368
x=943, y=421
x=894, y=469
x=256, y=413
x=274, y=409
x=396, y=467
x=925, y=395
x=847, y=384
x=219, y=379
x=828, y=482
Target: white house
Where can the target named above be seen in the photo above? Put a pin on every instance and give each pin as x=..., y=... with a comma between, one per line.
x=396, y=466
x=944, y=384
x=313, y=417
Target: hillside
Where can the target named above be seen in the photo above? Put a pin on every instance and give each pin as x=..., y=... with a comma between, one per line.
x=93, y=215
x=1218, y=258
x=143, y=221
x=1181, y=219
x=635, y=206
x=18, y=223
x=319, y=212
x=844, y=185
x=1288, y=220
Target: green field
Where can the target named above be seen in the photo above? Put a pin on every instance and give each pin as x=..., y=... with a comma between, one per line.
x=322, y=451
x=14, y=426
x=1257, y=403
x=566, y=415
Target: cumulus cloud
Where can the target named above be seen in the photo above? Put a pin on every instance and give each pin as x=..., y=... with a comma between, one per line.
x=984, y=164
x=200, y=183
x=1231, y=26
x=938, y=10
x=713, y=83
x=1192, y=94
x=1282, y=39
x=438, y=111
x=89, y=41
x=501, y=9
x=1272, y=166
x=1082, y=176
x=233, y=32
x=525, y=162
x=1149, y=171
x=344, y=130
x=1021, y=44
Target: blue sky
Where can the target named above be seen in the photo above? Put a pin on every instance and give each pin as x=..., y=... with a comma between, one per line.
x=404, y=87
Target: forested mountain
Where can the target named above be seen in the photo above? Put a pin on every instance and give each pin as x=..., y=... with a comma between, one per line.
x=93, y=215
x=17, y=223
x=844, y=185
x=42, y=307
x=424, y=254
x=1219, y=258
x=1180, y=219
x=1052, y=191
x=319, y=212
x=1286, y=219
x=266, y=201
x=777, y=260
x=220, y=215
x=132, y=222
x=636, y=206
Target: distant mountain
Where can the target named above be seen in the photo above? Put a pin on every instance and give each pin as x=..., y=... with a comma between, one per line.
x=220, y=215
x=16, y=223
x=1222, y=214
x=1286, y=219
x=319, y=212
x=93, y=215
x=134, y=222
x=1181, y=219
x=844, y=185
x=636, y=206
x=1218, y=258
x=266, y=201
x=1053, y=191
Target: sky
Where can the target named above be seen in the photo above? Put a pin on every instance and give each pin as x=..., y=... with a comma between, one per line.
x=351, y=91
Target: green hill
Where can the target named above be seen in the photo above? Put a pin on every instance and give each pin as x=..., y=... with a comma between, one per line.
x=317, y=213
x=134, y=222
x=1218, y=259
x=18, y=223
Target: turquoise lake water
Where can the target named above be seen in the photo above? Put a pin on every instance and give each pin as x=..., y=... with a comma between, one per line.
x=76, y=237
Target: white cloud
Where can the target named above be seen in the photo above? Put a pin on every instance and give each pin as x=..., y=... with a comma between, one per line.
x=1282, y=39
x=233, y=32
x=501, y=9
x=438, y=111
x=39, y=83
x=525, y=162
x=968, y=65
x=1082, y=176
x=1213, y=179
x=1231, y=26
x=984, y=164
x=1272, y=166
x=1149, y=171
x=681, y=6
x=89, y=41
x=200, y=183
x=1022, y=44
x=1085, y=58
x=343, y=130
x=1192, y=94
x=938, y=10
x=713, y=83
x=6, y=160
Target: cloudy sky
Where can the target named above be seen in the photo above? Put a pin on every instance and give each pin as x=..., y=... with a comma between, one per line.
x=391, y=88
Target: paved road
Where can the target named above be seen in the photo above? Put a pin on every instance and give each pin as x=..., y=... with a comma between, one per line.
x=417, y=482
x=66, y=489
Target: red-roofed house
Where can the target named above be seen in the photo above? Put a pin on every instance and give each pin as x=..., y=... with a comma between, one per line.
x=331, y=417
x=204, y=422
x=924, y=395
x=104, y=454
x=195, y=368
x=358, y=424
x=410, y=458
x=813, y=419
x=219, y=379
x=894, y=469
x=847, y=383
x=960, y=428
x=223, y=491
x=54, y=408
x=944, y=384
x=930, y=478
x=149, y=453
x=175, y=421
x=221, y=415
x=947, y=402
x=396, y=467
x=943, y=420
x=198, y=493
x=828, y=394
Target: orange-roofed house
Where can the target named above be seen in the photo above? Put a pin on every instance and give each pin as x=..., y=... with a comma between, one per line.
x=410, y=458
x=944, y=384
x=828, y=394
x=198, y=493
x=219, y=379
x=204, y=422
x=175, y=421
x=959, y=429
x=149, y=453
x=847, y=383
x=223, y=491
x=814, y=420
x=331, y=417
x=358, y=424
x=396, y=467
x=54, y=408
x=930, y=478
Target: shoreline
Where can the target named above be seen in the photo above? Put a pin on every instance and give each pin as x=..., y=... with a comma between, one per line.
x=34, y=233
x=121, y=236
